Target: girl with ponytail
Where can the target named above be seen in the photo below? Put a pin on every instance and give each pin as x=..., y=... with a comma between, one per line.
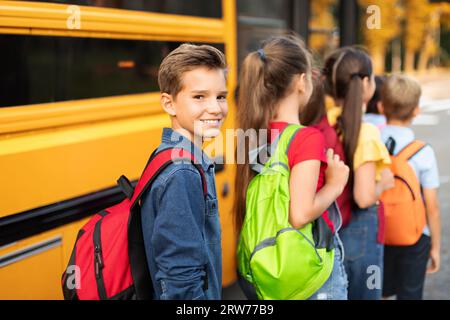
x=275, y=84
x=350, y=81
x=315, y=114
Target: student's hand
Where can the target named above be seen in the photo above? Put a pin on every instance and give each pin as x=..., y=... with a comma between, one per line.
x=387, y=179
x=337, y=172
x=435, y=261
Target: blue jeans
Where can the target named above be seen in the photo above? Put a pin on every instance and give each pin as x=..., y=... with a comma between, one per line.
x=363, y=255
x=335, y=288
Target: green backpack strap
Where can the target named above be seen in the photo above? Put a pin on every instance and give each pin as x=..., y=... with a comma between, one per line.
x=280, y=147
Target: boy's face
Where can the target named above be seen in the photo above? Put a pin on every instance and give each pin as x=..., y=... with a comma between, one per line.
x=200, y=108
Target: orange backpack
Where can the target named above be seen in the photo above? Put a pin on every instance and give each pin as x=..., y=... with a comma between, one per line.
x=404, y=208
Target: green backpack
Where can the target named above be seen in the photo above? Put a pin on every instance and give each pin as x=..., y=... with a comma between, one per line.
x=280, y=262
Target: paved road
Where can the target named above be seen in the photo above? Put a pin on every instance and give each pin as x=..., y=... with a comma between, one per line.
x=433, y=126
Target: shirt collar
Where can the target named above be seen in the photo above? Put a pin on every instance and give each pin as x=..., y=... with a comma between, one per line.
x=175, y=139
x=403, y=132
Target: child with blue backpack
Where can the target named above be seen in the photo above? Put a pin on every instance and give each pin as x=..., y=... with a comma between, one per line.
x=299, y=183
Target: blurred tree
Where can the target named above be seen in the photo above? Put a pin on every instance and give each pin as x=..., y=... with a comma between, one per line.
x=445, y=36
x=377, y=40
x=431, y=40
x=417, y=15
x=445, y=15
x=442, y=38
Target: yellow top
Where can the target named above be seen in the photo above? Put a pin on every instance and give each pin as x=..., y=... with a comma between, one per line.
x=370, y=147
x=332, y=114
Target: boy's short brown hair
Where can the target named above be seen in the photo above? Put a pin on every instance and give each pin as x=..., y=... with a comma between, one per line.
x=400, y=96
x=186, y=58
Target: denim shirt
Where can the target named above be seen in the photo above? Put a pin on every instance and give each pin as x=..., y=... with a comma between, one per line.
x=182, y=233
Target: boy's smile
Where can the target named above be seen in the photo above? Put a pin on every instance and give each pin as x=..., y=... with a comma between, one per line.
x=200, y=108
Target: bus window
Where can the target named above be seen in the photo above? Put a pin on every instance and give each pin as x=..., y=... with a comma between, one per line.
x=51, y=69
x=258, y=22
x=323, y=27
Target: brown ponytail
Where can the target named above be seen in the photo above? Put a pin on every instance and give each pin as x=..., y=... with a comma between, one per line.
x=345, y=69
x=265, y=78
x=349, y=123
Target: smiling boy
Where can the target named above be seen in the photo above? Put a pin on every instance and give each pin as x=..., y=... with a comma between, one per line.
x=181, y=226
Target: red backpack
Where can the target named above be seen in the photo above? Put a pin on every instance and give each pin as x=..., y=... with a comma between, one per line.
x=108, y=260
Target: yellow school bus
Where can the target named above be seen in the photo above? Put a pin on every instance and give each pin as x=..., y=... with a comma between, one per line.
x=79, y=106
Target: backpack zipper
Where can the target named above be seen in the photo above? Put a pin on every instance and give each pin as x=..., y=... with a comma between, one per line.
x=98, y=262
x=407, y=184
x=272, y=241
x=412, y=193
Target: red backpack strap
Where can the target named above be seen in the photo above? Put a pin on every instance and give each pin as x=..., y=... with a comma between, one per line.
x=411, y=150
x=157, y=163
